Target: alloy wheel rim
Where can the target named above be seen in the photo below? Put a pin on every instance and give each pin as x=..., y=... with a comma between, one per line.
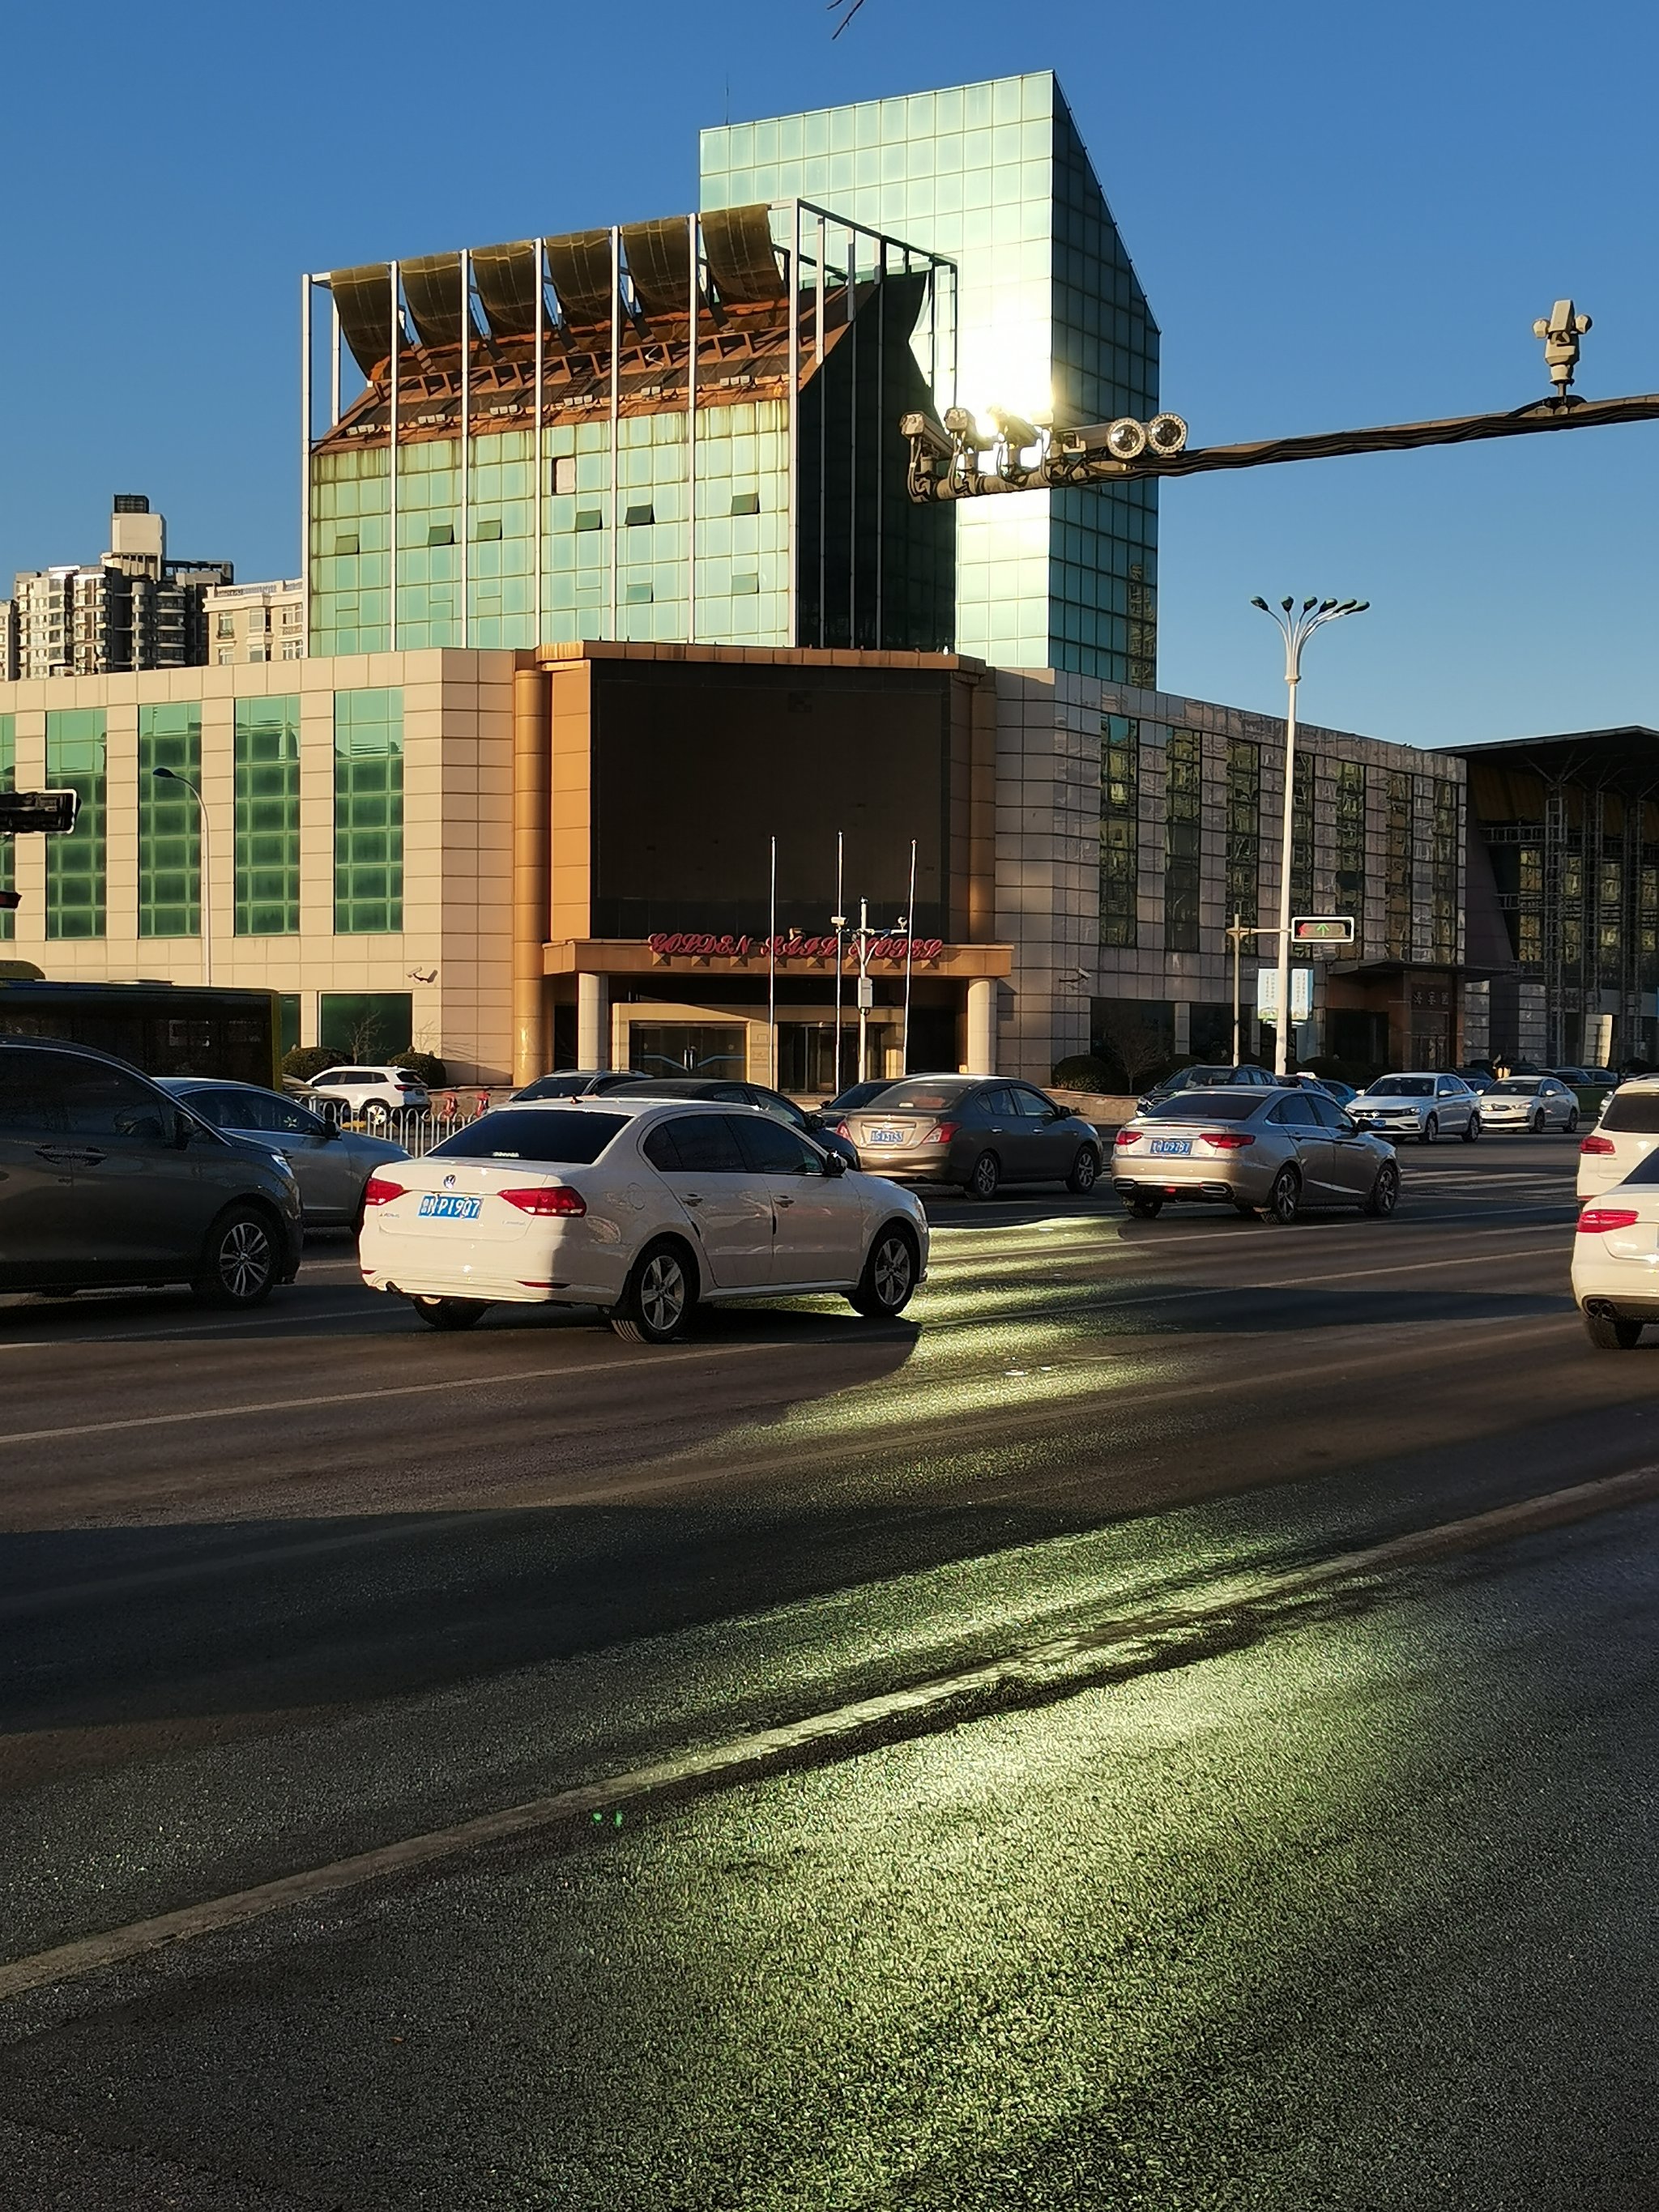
x=892, y=1270
x=1285, y=1196
x=1085, y=1169
x=244, y=1258
x=662, y=1293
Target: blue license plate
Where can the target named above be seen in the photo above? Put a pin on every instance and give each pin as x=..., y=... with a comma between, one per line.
x=886, y=1136
x=450, y=1209
x=1167, y=1145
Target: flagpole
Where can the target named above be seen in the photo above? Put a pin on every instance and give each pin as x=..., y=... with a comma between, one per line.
x=909, y=947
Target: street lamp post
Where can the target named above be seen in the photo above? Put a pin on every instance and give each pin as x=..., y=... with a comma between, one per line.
x=171, y=775
x=1297, y=624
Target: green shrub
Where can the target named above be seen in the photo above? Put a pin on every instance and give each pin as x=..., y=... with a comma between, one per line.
x=1082, y=1071
x=428, y=1067
x=306, y=1060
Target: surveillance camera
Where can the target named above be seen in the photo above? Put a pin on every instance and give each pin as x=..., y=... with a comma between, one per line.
x=924, y=431
x=1125, y=438
x=1014, y=431
x=1166, y=434
x=960, y=423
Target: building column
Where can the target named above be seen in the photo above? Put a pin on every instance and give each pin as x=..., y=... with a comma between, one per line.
x=592, y=1021
x=982, y=1026
x=533, y=840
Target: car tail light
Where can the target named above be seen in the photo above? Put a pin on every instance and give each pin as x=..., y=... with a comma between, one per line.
x=1128, y=1137
x=1596, y=1145
x=942, y=1134
x=842, y=1130
x=552, y=1199
x=1227, y=1140
x=1596, y=1220
x=406, y=1086
x=380, y=1190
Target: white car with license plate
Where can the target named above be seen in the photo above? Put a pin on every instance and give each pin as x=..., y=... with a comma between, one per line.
x=1424, y=1105
x=643, y=1208
x=1532, y=1103
x=1626, y=1133
x=1616, y=1259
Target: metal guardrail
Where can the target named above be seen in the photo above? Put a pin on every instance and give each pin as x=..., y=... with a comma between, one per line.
x=416, y=1132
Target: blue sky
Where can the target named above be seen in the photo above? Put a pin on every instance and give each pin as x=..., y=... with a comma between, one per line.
x=1340, y=216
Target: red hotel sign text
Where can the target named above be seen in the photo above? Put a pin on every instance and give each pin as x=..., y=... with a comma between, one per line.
x=700, y=944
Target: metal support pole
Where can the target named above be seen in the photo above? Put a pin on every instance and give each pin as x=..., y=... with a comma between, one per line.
x=772, y=972
x=616, y=405
x=823, y=450
x=392, y=474
x=1237, y=933
x=464, y=565
x=333, y=359
x=864, y=987
x=304, y=459
x=691, y=444
x=910, y=949
x=540, y=446
x=792, y=534
x=839, y=918
x=1282, y=1024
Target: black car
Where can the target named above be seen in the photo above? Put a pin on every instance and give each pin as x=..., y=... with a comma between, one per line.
x=106, y=1181
x=578, y=1083
x=732, y=1092
x=1245, y=1077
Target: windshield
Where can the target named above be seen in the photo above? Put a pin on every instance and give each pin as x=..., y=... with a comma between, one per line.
x=1403, y=1086
x=545, y=1136
x=1222, y=1106
x=923, y=1097
x=1514, y=1088
x=556, y=1086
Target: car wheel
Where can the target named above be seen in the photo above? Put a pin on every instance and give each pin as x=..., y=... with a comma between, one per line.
x=1572, y=1122
x=1610, y=1332
x=450, y=1313
x=1147, y=1208
x=1085, y=1171
x=1384, y=1192
x=889, y=1280
x=1536, y=1124
x=1471, y=1129
x=1431, y=1130
x=984, y=1177
x=659, y=1297
x=238, y=1260
x=1284, y=1199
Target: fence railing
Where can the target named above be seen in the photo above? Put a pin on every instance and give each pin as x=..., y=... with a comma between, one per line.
x=416, y=1132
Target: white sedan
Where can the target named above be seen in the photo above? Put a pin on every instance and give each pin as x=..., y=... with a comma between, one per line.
x=645, y=1209
x=1626, y=1133
x=1616, y=1259
x=1533, y=1103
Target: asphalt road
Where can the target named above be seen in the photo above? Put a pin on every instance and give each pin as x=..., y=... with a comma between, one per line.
x=1027, y=1754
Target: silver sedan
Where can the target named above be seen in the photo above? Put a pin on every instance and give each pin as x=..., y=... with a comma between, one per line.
x=330, y=1164
x=1270, y=1153
x=1425, y=1106
x=1530, y=1102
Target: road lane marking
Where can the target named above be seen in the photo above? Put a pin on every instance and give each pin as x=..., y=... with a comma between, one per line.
x=662, y=1360
x=1087, y=1658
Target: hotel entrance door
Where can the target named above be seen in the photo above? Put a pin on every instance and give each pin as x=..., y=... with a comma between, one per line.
x=688, y=1049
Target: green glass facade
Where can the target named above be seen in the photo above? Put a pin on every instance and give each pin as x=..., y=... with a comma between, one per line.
x=169, y=822
x=8, y=782
x=1050, y=318
x=75, y=760
x=267, y=804
x=368, y=812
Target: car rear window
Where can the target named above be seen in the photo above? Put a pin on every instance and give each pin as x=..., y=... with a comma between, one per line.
x=544, y=1134
x=923, y=1097
x=1635, y=1111
x=1214, y=1106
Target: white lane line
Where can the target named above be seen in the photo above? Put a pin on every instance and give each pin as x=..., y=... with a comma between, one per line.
x=1087, y=1654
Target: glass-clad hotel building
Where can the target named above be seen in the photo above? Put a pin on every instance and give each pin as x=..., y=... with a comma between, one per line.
x=685, y=429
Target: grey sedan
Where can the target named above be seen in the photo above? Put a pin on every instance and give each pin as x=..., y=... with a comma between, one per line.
x=331, y=1164
x=974, y=1131
x=1271, y=1155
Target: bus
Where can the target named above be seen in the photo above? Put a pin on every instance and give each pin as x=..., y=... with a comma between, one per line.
x=165, y=1029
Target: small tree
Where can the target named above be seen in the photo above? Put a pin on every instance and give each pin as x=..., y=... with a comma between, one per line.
x=1137, y=1045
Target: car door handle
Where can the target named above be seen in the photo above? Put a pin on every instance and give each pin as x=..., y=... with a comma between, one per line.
x=68, y=1159
x=693, y=1198
x=783, y=1201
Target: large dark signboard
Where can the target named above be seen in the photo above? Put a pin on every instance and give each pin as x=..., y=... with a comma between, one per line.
x=696, y=766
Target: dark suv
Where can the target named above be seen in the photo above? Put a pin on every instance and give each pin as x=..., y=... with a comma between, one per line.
x=105, y=1180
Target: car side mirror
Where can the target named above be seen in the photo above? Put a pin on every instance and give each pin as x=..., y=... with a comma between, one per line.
x=183, y=1130
x=331, y=1129
x=833, y=1165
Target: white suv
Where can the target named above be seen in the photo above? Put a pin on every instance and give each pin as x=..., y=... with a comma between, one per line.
x=1626, y=1133
x=372, y=1091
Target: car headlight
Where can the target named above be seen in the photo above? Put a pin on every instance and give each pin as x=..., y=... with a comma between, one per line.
x=281, y=1160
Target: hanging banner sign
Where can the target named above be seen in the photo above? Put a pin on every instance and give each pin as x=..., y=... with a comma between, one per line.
x=705, y=946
